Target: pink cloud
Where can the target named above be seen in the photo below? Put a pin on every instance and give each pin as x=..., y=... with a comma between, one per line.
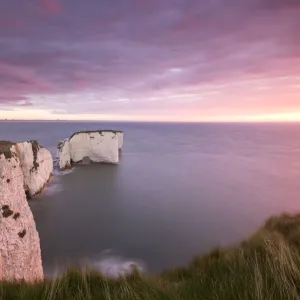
x=21, y=76
x=80, y=84
x=13, y=99
x=51, y=6
x=19, y=82
x=188, y=21
x=10, y=23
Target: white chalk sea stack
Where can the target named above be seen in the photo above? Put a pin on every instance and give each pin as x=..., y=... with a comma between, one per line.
x=99, y=146
x=23, y=166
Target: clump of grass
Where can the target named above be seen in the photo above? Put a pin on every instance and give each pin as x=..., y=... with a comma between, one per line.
x=7, y=213
x=264, y=267
x=95, y=131
x=5, y=148
x=16, y=216
x=22, y=233
x=35, y=148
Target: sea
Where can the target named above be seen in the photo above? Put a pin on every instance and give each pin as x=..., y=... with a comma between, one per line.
x=180, y=190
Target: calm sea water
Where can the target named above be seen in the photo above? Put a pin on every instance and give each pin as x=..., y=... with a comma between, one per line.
x=179, y=190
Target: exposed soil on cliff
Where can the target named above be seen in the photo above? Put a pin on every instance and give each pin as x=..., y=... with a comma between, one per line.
x=5, y=147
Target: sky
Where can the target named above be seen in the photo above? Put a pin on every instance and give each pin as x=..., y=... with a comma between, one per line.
x=150, y=60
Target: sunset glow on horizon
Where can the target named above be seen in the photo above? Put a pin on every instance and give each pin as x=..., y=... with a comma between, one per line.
x=154, y=60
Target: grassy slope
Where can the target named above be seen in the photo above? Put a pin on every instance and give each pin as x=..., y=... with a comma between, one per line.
x=266, y=266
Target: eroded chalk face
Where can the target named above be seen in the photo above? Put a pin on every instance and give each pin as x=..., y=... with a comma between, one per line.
x=63, y=153
x=99, y=146
x=120, y=135
x=37, y=166
x=20, y=253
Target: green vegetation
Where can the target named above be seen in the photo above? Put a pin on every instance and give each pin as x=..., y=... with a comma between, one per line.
x=95, y=131
x=5, y=148
x=265, y=267
x=16, y=216
x=6, y=212
x=35, y=148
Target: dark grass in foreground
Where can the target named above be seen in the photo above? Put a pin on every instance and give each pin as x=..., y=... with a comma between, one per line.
x=266, y=267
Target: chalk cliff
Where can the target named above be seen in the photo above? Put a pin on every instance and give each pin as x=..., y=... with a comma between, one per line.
x=63, y=154
x=99, y=146
x=120, y=135
x=20, y=253
x=37, y=166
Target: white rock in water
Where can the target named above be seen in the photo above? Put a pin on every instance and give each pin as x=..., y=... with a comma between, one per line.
x=64, y=155
x=99, y=146
x=37, y=166
x=20, y=253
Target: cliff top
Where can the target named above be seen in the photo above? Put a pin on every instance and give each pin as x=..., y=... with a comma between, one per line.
x=5, y=147
x=95, y=131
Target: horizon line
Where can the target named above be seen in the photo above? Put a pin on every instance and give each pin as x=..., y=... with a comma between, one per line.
x=156, y=121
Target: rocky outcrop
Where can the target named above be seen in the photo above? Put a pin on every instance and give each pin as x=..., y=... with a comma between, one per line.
x=20, y=254
x=98, y=146
x=64, y=154
x=37, y=166
x=120, y=135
